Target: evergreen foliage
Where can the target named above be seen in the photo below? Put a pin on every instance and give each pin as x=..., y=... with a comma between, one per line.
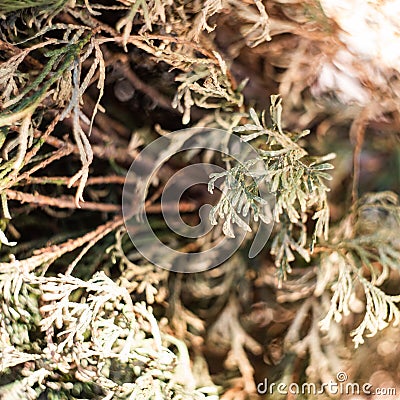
x=82, y=314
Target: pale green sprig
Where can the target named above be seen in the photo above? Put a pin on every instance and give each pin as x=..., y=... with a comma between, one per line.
x=364, y=259
x=380, y=310
x=295, y=178
x=239, y=198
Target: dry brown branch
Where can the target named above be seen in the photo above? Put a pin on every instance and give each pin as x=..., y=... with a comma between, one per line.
x=62, y=152
x=90, y=244
x=69, y=202
x=51, y=253
x=64, y=180
x=60, y=202
x=108, y=152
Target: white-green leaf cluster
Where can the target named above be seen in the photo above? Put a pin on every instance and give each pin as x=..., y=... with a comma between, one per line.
x=295, y=178
x=363, y=260
x=239, y=198
x=94, y=332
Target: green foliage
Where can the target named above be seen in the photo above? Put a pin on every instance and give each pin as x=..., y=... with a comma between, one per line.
x=364, y=260
x=353, y=257
x=83, y=315
x=240, y=195
x=92, y=331
x=292, y=175
x=7, y=6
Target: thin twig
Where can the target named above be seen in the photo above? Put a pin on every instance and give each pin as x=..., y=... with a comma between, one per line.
x=56, y=251
x=107, y=152
x=43, y=137
x=69, y=202
x=64, y=180
x=90, y=244
x=62, y=152
x=60, y=202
